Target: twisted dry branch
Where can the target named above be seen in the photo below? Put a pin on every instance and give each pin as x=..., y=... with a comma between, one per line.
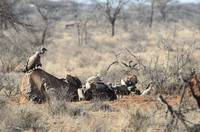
x=175, y=115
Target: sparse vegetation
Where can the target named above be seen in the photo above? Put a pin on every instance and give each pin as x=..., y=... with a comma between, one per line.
x=60, y=107
x=21, y=119
x=159, y=37
x=138, y=122
x=99, y=106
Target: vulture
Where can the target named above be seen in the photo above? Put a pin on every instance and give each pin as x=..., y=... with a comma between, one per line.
x=75, y=81
x=34, y=61
x=147, y=90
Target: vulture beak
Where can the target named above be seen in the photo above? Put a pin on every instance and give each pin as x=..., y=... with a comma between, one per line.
x=43, y=50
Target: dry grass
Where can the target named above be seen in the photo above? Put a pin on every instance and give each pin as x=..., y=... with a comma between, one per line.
x=22, y=118
x=159, y=49
x=138, y=122
x=87, y=116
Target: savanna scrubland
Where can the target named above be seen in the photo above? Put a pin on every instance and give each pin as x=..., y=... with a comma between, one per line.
x=79, y=42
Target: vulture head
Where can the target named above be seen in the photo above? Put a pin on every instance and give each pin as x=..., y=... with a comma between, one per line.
x=43, y=50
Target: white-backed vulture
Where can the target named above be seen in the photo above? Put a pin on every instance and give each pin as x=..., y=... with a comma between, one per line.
x=120, y=90
x=81, y=95
x=93, y=79
x=129, y=80
x=130, y=83
x=147, y=90
x=34, y=61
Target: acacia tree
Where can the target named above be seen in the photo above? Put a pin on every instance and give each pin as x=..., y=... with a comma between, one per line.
x=111, y=9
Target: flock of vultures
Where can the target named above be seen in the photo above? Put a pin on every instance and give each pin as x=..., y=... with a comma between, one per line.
x=40, y=86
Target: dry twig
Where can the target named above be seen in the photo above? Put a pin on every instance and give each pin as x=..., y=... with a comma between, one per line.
x=175, y=115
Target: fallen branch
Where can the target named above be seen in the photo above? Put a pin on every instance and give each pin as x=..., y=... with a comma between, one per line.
x=175, y=115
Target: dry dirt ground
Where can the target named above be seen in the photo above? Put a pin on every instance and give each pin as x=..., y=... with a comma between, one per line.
x=130, y=113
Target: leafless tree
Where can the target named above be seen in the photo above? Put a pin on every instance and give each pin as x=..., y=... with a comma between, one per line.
x=8, y=15
x=162, y=5
x=75, y=10
x=45, y=19
x=81, y=18
x=111, y=9
x=152, y=3
x=46, y=13
x=152, y=13
x=82, y=30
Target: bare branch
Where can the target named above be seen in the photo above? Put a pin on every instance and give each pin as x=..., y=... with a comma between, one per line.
x=110, y=65
x=111, y=10
x=136, y=58
x=8, y=16
x=176, y=115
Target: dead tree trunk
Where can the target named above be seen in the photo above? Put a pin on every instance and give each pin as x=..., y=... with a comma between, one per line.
x=79, y=34
x=85, y=30
x=113, y=28
x=163, y=13
x=152, y=14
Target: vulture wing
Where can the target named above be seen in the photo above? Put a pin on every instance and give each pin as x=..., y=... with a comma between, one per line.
x=32, y=61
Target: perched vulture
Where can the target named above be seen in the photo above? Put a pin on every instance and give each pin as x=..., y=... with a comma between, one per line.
x=34, y=61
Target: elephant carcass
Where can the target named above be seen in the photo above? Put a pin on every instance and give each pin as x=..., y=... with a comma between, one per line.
x=39, y=84
x=100, y=91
